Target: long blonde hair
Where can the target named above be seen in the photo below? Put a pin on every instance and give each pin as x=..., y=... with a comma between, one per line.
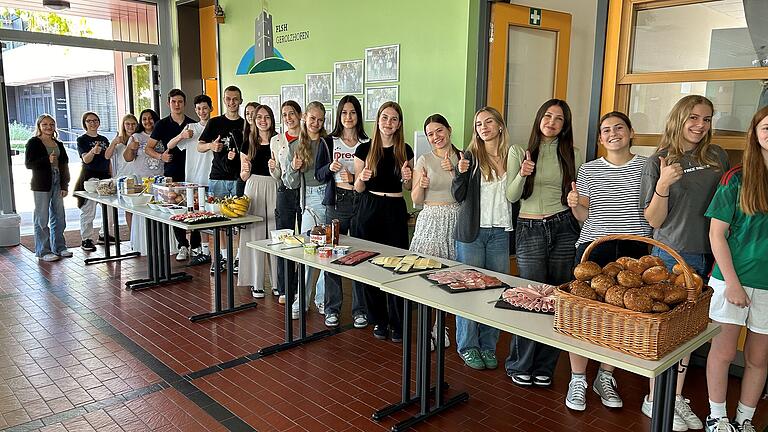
x=672, y=139
x=754, y=188
x=123, y=134
x=377, y=149
x=39, y=132
x=477, y=145
x=304, y=150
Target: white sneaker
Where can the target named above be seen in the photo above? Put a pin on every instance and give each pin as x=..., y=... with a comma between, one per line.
x=295, y=310
x=684, y=411
x=320, y=308
x=183, y=254
x=678, y=424
x=50, y=257
x=576, y=399
x=721, y=425
x=65, y=253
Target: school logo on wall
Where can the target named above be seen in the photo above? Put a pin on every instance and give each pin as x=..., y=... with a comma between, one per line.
x=263, y=56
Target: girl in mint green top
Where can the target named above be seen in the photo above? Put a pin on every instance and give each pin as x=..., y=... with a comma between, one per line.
x=737, y=233
x=540, y=177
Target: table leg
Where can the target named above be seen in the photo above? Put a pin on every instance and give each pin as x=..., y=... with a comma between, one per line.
x=159, y=250
x=439, y=356
x=231, y=308
x=302, y=302
x=664, y=393
x=107, y=253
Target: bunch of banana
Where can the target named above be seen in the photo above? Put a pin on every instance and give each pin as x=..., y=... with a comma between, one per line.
x=235, y=207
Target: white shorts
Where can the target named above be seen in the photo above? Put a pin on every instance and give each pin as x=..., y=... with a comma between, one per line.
x=754, y=316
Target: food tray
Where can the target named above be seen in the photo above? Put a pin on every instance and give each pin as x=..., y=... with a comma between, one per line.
x=411, y=270
x=447, y=287
x=502, y=304
x=645, y=335
x=355, y=258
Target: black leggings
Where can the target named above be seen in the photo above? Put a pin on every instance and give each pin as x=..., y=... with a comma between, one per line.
x=287, y=211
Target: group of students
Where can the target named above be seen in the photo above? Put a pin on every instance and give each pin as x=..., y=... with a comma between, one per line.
x=684, y=195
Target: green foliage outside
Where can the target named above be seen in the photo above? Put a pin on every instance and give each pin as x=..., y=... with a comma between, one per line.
x=46, y=22
x=19, y=134
x=141, y=87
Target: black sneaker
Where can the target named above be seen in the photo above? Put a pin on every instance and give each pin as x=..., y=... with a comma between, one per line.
x=380, y=332
x=87, y=245
x=719, y=425
x=199, y=259
x=101, y=240
x=236, y=266
x=396, y=337
x=223, y=264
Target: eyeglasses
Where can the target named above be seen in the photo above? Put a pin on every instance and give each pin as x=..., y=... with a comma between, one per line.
x=92, y=121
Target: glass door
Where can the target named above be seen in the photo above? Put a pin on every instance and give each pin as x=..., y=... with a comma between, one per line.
x=142, y=84
x=528, y=63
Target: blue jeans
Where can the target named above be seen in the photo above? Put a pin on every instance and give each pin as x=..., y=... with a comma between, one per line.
x=546, y=249
x=49, y=206
x=700, y=263
x=222, y=188
x=490, y=250
x=313, y=200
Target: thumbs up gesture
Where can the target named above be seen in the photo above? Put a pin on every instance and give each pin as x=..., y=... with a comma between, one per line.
x=296, y=163
x=346, y=176
x=669, y=174
x=166, y=156
x=463, y=165
x=446, y=164
x=528, y=165
x=366, y=173
x=231, y=154
x=573, y=196
x=216, y=145
x=53, y=159
x=405, y=172
x=271, y=163
x=134, y=144
x=335, y=165
x=424, y=180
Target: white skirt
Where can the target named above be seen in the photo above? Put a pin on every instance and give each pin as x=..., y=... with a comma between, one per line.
x=139, y=235
x=434, y=232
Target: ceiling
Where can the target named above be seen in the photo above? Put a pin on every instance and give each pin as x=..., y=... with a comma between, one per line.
x=104, y=9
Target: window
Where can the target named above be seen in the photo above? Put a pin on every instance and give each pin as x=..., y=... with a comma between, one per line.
x=658, y=51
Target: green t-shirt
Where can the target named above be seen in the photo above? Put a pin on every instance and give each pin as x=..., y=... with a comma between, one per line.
x=747, y=234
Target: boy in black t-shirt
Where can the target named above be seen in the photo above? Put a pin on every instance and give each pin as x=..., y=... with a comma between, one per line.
x=168, y=132
x=223, y=135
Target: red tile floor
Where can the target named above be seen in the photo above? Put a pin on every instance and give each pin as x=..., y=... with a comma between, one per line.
x=79, y=352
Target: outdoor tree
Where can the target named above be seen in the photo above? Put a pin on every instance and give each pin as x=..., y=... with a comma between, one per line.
x=45, y=22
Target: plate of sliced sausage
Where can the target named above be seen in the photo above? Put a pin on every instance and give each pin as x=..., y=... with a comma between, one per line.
x=455, y=281
x=531, y=298
x=355, y=258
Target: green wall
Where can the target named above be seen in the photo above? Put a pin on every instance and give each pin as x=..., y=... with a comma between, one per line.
x=438, y=41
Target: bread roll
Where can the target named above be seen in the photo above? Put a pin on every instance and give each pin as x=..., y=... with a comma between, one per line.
x=587, y=270
x=615, y=295
x=655, y=292
x=675, y=294
x=577, y=283
x=636, y=300
x=601, y=283
x=612, y=269
x=623, y=261
x=652, y=261
x=655, y=274
x=629, y=279
x=584, y=291
x=636, y=266
x=660, y=307
x=677, y=269
x=698, y=283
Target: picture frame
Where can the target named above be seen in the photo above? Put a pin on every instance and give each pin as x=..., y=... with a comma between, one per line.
x=376, y=96
x=293, y=92
x=382, y=64
x=348, y=77
x=320, y=87
x=273, y=102
x=330, y=116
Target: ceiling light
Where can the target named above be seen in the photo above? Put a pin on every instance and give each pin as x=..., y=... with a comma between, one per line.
x=56, y=4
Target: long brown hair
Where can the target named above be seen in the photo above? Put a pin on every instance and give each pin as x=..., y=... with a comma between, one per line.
x=672, y=139
x=304, y=150
x=377, y=149
x=251, y=135
x=565, y=152
x=754, y=189
x=477, y=145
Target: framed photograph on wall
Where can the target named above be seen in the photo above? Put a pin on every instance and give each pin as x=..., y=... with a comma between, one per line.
x=375, y=96
x=348, y=77
x=330, y=116
x=319, y=88
x=294, y=92
x=382, y=64
x=273, y=102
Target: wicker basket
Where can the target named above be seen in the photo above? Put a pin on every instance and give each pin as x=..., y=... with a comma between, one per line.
x=646, y=335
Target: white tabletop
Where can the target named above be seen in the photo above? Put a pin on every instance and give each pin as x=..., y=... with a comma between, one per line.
x=478, y=306
x=364, y=272
x=161, y=216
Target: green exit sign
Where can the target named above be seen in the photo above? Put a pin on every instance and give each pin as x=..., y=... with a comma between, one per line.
x=534, y=18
